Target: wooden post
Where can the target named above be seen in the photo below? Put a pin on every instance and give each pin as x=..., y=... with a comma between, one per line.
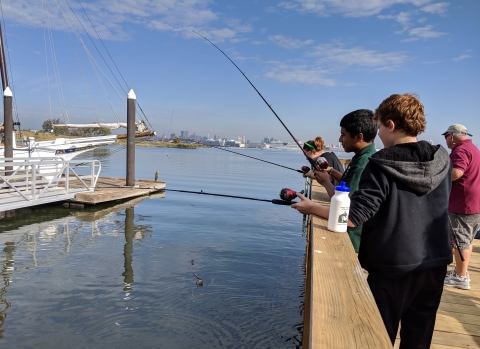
x=8, y=128
x=131, y=100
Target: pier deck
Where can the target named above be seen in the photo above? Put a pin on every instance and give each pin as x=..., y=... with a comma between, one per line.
x=340, y=311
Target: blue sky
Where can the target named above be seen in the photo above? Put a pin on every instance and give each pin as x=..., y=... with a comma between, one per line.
x=313, y=61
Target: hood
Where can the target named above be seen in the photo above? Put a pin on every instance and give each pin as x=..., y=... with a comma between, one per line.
x=419, y=165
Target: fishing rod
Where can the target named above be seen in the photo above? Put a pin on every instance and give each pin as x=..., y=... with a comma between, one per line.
x=286, y=195
x=269, y=105
x=304, y=169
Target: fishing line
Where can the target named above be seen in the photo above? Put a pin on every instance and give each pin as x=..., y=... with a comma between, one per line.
x=251, y=157
x=269, y=105
x=284, y=193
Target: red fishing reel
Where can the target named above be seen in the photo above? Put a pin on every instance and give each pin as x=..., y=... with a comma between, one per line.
x=287, y=195
x=321, y=164
x=305, y=169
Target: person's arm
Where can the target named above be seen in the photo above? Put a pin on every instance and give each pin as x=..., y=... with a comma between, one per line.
x=456, y=174
x=309, y=174
x=307, y=206
x=324, y=179
x=336, y=175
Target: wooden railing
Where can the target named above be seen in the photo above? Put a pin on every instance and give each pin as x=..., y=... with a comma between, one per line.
x=340, y=311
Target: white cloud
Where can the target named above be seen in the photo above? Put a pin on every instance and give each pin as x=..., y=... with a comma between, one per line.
x=438, y=8
x=300, y=75
x=112, y=17
x=334, y=59
x=403, y=18
x=289, y=43
x=423, y=33
x=348, y=8
x=338, y=57
x=461, y=57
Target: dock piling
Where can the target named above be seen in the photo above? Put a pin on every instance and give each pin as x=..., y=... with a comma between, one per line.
x=131, y=100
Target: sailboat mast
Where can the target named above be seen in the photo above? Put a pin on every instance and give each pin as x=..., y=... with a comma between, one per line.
x=3, y=64
x=7, y=106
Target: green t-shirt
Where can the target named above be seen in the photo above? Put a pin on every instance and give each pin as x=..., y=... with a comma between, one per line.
x=351, y=177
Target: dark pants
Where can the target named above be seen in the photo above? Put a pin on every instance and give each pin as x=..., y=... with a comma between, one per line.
x=413, y=299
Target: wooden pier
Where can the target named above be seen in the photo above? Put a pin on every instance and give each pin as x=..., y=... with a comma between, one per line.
x=340, y=311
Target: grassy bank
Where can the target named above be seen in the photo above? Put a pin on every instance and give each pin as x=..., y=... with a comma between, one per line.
x=158, y=144
x=42, y=136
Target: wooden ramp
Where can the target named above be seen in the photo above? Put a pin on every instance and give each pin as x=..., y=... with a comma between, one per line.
x=109, y=189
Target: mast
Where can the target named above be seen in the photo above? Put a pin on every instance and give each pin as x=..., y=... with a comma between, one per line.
x=7, y=105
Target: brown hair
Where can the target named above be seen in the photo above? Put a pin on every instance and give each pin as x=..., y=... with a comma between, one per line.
x=318, y=144
x=406, y=111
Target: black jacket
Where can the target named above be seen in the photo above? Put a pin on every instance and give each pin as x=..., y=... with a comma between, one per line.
x=402, y=203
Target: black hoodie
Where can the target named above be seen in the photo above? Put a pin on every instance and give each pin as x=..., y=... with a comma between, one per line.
x=402, y=202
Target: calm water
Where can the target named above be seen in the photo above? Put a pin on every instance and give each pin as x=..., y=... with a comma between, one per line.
x=121, y=276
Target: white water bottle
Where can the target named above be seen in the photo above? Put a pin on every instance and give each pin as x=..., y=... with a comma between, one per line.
x=339, y=208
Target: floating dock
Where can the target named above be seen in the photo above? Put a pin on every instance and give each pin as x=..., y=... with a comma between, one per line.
x=110, y=189
x=340, y=311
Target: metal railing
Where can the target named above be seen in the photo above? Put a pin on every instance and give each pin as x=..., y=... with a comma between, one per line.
x=33, y=181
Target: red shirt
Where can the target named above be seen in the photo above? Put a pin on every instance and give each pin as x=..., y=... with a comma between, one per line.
x=465, y=194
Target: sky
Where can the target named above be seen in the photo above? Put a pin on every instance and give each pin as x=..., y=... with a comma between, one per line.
x=312, y=60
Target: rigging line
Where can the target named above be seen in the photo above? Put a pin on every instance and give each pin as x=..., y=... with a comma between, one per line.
x=268, y=162
x=93, y=62
x=108, y=52
x=269, y=105
x=46, y=61
x=55, y=67
x=10, y=68
x=101, y=42
x=136, y=101
x=97, y=114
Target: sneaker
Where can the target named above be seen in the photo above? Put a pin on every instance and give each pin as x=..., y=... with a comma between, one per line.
x=457, y=281
x=452, y=272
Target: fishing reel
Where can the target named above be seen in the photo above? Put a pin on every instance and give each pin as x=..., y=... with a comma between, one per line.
x=321, y=164
x=305, y=169
x=286, y=196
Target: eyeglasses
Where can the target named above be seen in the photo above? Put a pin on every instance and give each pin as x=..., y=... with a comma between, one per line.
x=446, y=135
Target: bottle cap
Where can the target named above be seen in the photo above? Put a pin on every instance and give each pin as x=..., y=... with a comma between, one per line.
x=342, y=187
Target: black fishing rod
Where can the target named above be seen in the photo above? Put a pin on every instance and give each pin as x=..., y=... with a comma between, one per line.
x=286, y=195
x=303, y=170
x=269, y=106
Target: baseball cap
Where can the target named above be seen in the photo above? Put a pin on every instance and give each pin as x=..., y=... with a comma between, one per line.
x=458, y=129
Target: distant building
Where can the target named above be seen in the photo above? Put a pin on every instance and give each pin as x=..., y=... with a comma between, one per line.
x=172, y=136
x=232, y=143
x=183, y=134
x=213, y=142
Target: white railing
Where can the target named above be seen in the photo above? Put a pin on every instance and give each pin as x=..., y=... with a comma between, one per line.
x=34, y=181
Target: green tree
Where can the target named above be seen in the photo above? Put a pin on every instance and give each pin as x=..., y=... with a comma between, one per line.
x=47, y=124
x=176, y=140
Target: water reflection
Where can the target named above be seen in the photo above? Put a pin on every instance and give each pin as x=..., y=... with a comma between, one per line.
x=7, y=269
x=43, y=234
x=128, y=249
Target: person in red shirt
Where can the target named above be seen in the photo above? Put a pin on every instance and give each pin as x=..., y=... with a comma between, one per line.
x=464, y=200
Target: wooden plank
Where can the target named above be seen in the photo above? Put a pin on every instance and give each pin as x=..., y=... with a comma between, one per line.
x=343, y=313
